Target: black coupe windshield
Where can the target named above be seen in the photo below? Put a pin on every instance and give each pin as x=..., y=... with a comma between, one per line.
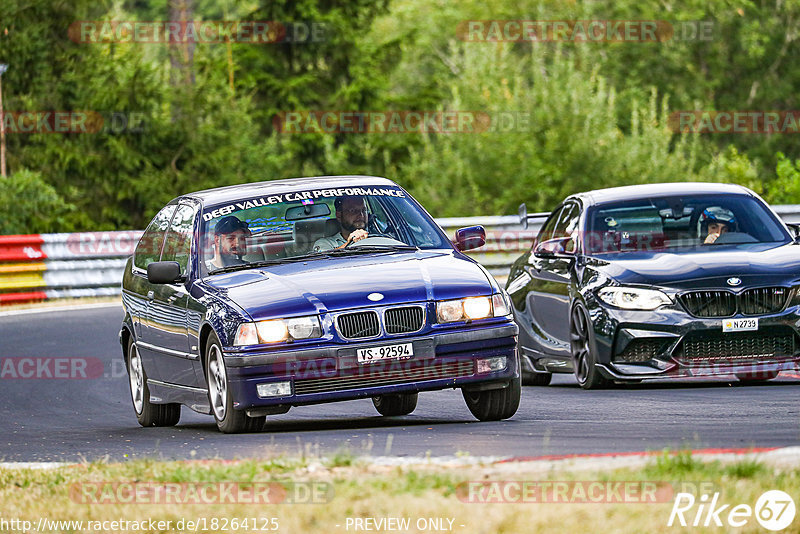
x=701, y=222
x=283, y=227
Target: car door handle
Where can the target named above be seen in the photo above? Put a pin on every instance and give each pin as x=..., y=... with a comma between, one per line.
x=150, y=295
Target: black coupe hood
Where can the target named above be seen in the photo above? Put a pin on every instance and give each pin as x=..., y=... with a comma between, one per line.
x=762, y=264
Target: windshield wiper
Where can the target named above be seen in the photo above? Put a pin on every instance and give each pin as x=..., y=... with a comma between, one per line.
x=381, y=248
x=354, y=249
x=267, y=263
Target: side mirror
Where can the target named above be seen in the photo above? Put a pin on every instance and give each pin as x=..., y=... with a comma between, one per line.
x=470, y=237
x=560, y=247
x=164, y=272
x=795, y=228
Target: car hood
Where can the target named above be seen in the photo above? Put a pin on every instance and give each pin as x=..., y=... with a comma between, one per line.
x=321, y=285
x=762, y=264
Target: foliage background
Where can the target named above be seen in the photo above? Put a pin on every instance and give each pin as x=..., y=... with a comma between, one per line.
x=598, y=111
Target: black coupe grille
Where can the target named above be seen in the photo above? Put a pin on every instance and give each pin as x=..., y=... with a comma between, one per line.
x=386, y=375
x=763, y=300
x=732, y=347
x=358, y=325
x=403, y=320
x=758, y=301
x=709, y=303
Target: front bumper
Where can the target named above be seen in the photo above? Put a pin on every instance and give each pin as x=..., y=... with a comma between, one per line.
x=670, y=343
x=331, y=372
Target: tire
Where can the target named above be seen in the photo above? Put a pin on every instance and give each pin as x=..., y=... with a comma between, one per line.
x=756, y=377
x=390, y=405
x=229, y=421
x=494, y=404
x=581, y=345
x=147, y=413
x=536, y=379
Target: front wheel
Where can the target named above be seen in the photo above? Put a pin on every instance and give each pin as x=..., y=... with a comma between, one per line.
x=494, y=404
x=390, y=405
x=229, y=421
x=147, y=413
x=583, y=357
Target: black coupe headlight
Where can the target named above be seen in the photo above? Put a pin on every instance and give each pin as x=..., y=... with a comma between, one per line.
x=633, y=298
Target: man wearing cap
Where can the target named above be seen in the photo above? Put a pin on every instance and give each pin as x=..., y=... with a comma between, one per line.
x=230, y=243
x=351, y=212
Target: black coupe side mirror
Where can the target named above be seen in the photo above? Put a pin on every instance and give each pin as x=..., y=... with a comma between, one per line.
x=470, y=237
x=795, y=228
x=560, y=247
x=164, y=272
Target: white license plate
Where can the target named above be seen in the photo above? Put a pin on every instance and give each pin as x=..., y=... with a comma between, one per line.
x=385, y=352
x=739, y=325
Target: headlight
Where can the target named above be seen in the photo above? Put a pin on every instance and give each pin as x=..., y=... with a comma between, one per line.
x=471, y=308
x=277, y=330
x=501, y=304
x=633, y=298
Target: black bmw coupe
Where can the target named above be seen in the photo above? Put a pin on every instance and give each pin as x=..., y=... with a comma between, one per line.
x=658, y=281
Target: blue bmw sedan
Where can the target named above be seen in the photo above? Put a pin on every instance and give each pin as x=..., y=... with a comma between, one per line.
x=243, y=301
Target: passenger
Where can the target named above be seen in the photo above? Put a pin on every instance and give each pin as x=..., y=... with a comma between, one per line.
x=230, y=243
x=715, y=221
x=351, y=212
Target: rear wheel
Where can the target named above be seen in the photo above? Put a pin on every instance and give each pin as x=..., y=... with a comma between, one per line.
x=583, y=358
x=401, y=404
x=536, y=379
x=147, y=413
x=494, y=404
x=229, y=421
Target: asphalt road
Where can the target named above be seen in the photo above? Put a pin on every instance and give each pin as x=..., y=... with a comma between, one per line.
x=65, y=419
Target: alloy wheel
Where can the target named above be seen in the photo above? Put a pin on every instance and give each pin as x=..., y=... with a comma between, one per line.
x=136, y=377
x=217, y=383
x=579, y=341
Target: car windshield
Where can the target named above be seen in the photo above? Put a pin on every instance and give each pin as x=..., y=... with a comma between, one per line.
x=285, y=227
x=700, y=222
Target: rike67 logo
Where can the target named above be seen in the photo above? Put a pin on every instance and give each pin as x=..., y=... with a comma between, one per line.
x=774, y=510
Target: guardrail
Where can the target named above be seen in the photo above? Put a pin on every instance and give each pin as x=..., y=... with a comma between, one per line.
x=90, y=264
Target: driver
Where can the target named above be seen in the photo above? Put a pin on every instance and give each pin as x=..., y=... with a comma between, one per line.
x=351, y=212
x=230, y=243
x=715, y=221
